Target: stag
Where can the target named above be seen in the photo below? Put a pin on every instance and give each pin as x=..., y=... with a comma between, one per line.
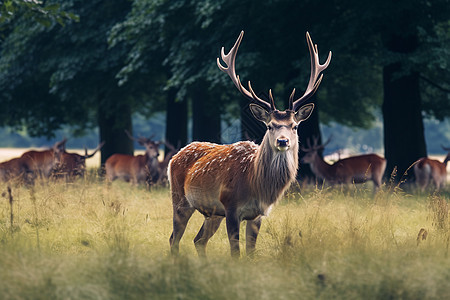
x=241, y=181
x=43, y=163
x=429, y=171
x=135, y=169
x=72, y=165
x=355, y=169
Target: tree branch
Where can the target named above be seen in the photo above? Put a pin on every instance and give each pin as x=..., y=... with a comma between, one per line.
x=434, y=84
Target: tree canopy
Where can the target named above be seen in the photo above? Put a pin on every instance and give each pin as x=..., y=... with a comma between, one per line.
x=152, y=55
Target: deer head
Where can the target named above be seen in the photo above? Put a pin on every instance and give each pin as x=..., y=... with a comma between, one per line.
x=311, y=150
x=151, y=147
x=281, y=125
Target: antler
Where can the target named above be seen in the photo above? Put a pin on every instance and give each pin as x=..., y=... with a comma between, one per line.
x=141, y=140
x=229, y=60
x=314, y=79
x=445, y=148
x=315, y=146
x=86, y=155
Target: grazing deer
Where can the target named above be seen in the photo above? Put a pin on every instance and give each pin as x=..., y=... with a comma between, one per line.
x=136, y=169
x=355, y=169
x=429, y=170
x=43, y=163
x=241, y=181
x=72, y=165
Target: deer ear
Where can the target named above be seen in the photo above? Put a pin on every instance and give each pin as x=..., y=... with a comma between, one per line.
x=304, y=112
x=260, y=113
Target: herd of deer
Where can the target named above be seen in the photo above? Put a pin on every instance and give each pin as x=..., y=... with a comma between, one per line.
x=57, y=163
x=44, y=164
x=236, y=182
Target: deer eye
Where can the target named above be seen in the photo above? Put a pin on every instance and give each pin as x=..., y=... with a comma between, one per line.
x=295, y=127
x=269, y=127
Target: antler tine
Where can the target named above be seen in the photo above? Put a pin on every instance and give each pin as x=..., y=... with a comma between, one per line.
x=316, y=142
x=304, y=149
x=315, y=77
x=129, y=135
x=93, y=153
x=445, y=148
x=229, y=60
x=328, y=141
x=308, y=142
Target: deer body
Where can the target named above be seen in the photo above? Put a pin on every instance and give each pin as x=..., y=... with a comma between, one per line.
x=429, y=171
x=355, y=169
x=13, y=169
x=136, y=169
x=43, y=163
x=240, y=181
x=72, y=165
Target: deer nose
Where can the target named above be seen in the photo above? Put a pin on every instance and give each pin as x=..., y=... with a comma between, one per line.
x=282, y=144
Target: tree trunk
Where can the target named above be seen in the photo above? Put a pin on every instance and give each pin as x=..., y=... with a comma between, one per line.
x=308, y=130
x=404, y=139
x=112, y=123
x=176, y=122
x=206, y=116
x=251, y=129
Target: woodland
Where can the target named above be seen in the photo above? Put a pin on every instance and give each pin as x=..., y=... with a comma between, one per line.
x=85, y=65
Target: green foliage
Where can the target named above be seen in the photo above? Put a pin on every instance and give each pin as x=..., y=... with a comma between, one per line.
x=135, y=52
x=45, y=14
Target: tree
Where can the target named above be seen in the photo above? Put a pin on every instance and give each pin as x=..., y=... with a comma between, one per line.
x=67, y=75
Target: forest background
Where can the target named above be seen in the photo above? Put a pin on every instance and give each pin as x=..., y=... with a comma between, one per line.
x=76, y=69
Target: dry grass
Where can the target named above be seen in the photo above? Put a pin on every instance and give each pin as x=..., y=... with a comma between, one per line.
x=93, y=240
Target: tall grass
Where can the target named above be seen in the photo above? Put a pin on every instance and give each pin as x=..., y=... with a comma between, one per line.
x=93, y=240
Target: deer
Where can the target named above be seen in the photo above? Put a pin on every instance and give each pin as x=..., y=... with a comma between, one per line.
x=73, y=165
x=13, y=169
x=240, y=181
x=135, y=169
x=429, y=171
x=43, y=163
x=163, y=165
x=354, y=169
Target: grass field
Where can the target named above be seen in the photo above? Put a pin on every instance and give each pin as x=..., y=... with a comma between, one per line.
x=92, y=240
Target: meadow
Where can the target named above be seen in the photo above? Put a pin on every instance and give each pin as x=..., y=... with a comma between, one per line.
x=92, y=240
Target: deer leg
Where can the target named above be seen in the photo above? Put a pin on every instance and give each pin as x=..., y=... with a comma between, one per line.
x=181, y=216
x=251, y=234
x=233, y=222
x=209, y=227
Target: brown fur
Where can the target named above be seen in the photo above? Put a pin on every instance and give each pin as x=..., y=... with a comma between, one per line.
x=43, y=163
x=243, y=180
x=355, y=169
x=13, y=169
x=429, y=171
x=136, y=169
x=240, y=181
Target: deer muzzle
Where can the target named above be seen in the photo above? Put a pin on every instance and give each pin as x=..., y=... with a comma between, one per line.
x=282, y=144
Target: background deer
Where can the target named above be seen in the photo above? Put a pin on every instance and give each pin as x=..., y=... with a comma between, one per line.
x=240, y=181
x=43, y=163
x=163, y=165
x=136, y=169
x=433, y=171
x=355, y=169
x=14, y=169
x=72, y=165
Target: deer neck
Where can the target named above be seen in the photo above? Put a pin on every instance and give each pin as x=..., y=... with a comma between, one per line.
x=274, y=171
x=320, y=167
x=150, y=160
